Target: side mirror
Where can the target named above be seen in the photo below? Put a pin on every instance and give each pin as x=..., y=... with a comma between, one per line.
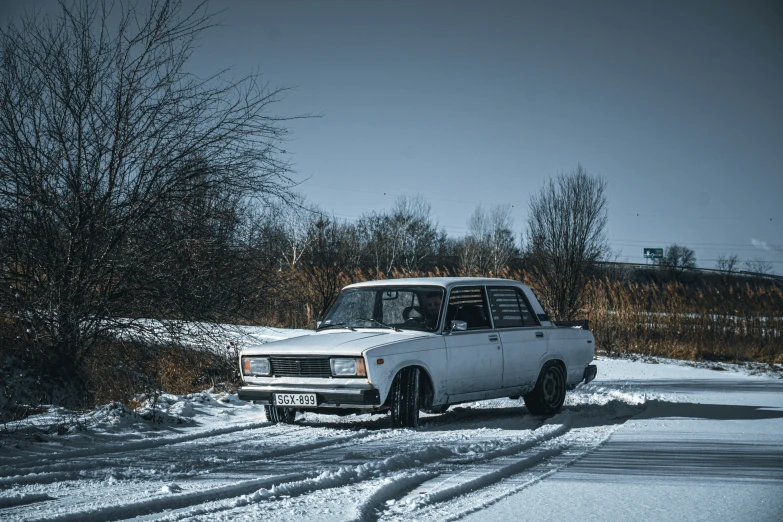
x=458, y=326
x=317, y=325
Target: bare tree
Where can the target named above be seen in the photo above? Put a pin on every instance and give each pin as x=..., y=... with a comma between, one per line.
x=727, y=263
x=381, y=238
x=677, y=260
x=489, y=244
x=565, y=238
x=328, y=263
x=419, y=234
x=758, y=266
x=449, y=254
x=105, y=143
x=405, y=237
x=296, y=219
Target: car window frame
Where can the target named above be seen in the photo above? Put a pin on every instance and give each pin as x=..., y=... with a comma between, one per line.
x=447, y=327
x=378, y=302
x=520, y=297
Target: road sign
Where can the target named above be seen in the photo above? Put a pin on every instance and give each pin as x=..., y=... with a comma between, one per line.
x=653, y=253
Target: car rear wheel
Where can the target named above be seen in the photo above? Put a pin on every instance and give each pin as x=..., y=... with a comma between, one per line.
x=549, y=394
x=405, y=399
x=277, y=415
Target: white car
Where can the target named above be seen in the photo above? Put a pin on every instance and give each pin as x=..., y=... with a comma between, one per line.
x=392, y=346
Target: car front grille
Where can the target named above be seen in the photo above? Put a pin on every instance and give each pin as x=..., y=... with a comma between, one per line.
x=300, y=367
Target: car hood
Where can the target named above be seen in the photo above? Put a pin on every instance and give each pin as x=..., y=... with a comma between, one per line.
x=333, y=342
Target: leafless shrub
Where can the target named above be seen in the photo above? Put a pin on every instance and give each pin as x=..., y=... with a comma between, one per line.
x=565, y=238
x=677, y=260
x=758, y=266
x=727, y=263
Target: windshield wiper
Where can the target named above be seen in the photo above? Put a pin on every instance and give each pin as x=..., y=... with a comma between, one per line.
x=379, y=323
x=337, y=325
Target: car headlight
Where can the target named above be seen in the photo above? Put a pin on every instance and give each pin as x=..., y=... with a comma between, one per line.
x=255, y=365
x=348, y=367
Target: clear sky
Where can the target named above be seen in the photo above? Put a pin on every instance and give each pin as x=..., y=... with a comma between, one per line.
x=677, y=104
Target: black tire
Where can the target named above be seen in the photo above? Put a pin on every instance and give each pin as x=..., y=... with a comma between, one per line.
x=549, y=394
x=277, y=415
x=405, y=399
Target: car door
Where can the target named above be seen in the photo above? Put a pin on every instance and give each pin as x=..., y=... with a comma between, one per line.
x=475, y=356
x=524, y=341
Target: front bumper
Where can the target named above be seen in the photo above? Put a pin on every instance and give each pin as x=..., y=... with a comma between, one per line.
x=325, y=397
x=590, y=372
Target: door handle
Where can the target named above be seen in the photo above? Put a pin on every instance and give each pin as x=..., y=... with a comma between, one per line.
x=539, y=334
x=493, y=338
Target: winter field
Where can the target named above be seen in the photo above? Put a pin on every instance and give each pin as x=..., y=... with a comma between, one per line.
x=649, y=439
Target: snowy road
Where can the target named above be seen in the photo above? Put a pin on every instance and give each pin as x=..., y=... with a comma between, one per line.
x=656, y=441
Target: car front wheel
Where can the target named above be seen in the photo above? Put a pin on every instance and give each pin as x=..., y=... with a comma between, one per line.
x=279, y=415
x=549, y=394
x=405, y=399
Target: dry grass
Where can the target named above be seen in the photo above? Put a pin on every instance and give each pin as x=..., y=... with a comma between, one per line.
x=737, y=322
x=115, y=372
x=120, y=372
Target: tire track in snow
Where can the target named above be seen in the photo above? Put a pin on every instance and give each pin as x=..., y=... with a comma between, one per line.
x=74, y=470
x=399, y=466
x=470, y=417
x=476, y=475
x=80, y=478
x=39, y=478
x=156, y=505
x=33, y=464
x=407, y=471
x=512, y=449
x=465, y=481
x=491, y=492
x=302, y=448
x=40, y=460
x=22, y=500
x=564, y=447
x=392, y=487
x=460, y=466
x=261, y=491
x=463, y=452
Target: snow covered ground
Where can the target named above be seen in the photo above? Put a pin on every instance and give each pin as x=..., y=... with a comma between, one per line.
x=649, y=439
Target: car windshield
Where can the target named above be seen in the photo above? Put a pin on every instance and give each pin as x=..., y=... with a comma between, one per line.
x=403, y=307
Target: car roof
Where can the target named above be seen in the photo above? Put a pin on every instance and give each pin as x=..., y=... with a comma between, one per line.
x=444, y=282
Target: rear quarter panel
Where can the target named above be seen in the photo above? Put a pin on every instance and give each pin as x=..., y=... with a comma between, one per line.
x=575, y=347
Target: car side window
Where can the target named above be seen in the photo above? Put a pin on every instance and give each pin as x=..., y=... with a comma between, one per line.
x=528, y=317
x=509, y=307
x=468, y=304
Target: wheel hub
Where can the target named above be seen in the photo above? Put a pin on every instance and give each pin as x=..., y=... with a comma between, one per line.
x=550, y=388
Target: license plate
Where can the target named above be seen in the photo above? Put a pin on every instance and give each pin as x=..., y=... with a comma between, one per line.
x=295, y=399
